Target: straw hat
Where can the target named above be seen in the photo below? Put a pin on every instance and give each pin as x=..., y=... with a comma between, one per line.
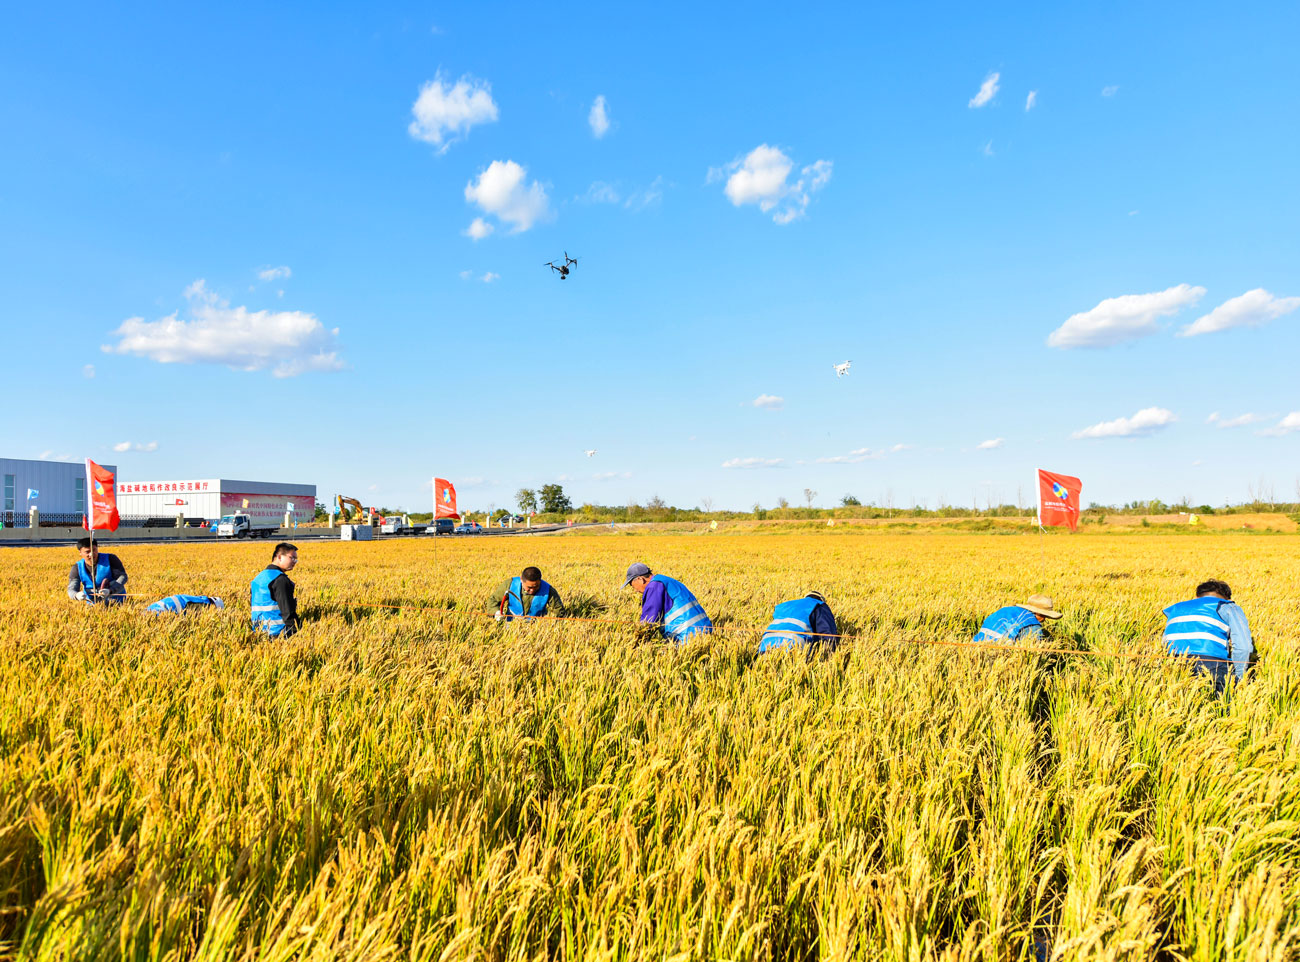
x=1041, y=605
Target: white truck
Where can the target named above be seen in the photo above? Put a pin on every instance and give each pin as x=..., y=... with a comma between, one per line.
x=242, y=526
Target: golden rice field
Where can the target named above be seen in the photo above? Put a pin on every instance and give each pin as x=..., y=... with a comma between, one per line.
x=407, y=784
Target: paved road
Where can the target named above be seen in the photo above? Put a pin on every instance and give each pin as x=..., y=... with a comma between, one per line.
x=303, y=534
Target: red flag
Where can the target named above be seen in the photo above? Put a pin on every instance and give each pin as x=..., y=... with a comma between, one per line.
x=444, y=499
x=101, y=492
x=1058, y=500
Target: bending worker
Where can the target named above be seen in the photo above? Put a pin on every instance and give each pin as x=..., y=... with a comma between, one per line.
x=275, y=610
x=98, y=576
x=667, y=604
x=1021, y=622
x=179, y=604
x=526, y=596
x=802, y=622
x=1211, y=629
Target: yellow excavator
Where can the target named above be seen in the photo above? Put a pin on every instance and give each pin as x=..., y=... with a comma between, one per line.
x=358, y=512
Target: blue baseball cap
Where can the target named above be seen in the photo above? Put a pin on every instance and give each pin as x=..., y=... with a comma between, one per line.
x=637, y=570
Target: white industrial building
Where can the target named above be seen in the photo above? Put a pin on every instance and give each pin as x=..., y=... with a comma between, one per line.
x=212, y=498
x=58, y=489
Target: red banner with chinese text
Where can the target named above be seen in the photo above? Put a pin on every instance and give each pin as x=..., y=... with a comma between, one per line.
x=101, y=495
x=1058, y=500
x=444, y=499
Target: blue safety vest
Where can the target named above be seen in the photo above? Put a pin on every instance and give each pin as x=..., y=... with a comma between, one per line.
x=791, y=625
x=1196, y=628
x=266, y=613
x=178, y=603
x=515, y=603
x=1008, y=624
x=102, y=573
x=685, y=615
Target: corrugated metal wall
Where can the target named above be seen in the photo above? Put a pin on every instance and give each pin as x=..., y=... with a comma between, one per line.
x=54, y=481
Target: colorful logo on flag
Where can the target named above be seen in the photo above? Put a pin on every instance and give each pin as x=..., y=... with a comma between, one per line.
x=31, y=494
x=446, y=496
x=1059, y=490
x=99, y=488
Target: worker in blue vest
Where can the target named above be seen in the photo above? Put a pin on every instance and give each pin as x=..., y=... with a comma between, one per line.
x=274, y=607
x=1022, y=622
x=526, y=596
x=179, y=604
x=97, y=577
x=805, y=622
x=1212, y=631
x=667, y=604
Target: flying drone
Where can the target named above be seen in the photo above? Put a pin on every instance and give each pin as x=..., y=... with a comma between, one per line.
x=563, y=269
x=841, y=369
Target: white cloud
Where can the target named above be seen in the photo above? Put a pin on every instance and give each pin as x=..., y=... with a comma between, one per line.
x=1287, y=425
x=286, y=342
x=754, y=463
x=598, y=118
x=853, y=457
x=274, y=273
x=763, y=178
x=600, y=193
x=1240, y=420
x=466, y=275
x=988, y=148
x=478, y=229
x=611, y=476
x=502, y=190
x=1123, y=318
x=988, y=90
x=489, y=277
x=901, y=447
x=51, y=456
x=1249, y=310
x=444, y=113
x=1032, y=100
x=990, y=444
x=1146, y=421
x=771, y=402
x=125, y=446
x=640, y=199
x=1110, y=91
x=88, y=371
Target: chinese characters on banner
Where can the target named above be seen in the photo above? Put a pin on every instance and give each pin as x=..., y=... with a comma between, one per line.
x=444, y=499
x=1058, y=500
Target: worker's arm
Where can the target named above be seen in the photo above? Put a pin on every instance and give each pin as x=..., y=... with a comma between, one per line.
x=282, y=592
x=1242, y=645
x=74, y=585
x=823, y=625
x=116, y=574
x=501, y=590
x=555, y=606
x=1029, y=633
x=654, y=603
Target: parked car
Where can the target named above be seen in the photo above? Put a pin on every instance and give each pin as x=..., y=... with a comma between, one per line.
x=504, y=521
x=469, y=527
x=441, y=526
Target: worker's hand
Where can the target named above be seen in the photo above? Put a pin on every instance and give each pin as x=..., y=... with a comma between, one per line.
x=496, y=616
x=81, y=594
x=104, y=593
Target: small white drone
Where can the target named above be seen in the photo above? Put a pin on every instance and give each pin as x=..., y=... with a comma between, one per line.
x=841, y=369
x=591, y=453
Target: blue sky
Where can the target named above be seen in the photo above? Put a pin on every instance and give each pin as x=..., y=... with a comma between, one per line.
x=188, y=194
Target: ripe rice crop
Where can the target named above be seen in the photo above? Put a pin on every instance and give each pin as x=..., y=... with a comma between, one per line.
x=398, y=783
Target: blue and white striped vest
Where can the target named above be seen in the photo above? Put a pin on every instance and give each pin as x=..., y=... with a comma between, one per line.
x=685, y=615
x=791, y=625
x=1196, y=628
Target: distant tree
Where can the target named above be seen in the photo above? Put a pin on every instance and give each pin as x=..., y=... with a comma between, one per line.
x=850, y=502
x=554, y=500
x=656, y=503
x=808, y=495
x=706, y=504
x=782, y=503
x=526, y=499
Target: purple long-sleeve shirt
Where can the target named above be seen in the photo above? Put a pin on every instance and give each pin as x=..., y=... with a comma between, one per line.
x=654, y=602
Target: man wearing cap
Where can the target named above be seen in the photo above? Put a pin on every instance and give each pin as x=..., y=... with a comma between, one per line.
x=526, y=596
x=667, y=604
x=1212, y=631
x=803, y=622
x=1021, y=622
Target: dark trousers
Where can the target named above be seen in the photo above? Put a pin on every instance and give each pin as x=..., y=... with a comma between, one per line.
x=1219, y=671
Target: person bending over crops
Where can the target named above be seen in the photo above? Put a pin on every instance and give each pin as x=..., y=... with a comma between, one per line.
x=667, y=604
x=1022, y=622
x=805, y=622
x=1212, y=631
x=98, y=576
x=274, y=608
x=526, y=596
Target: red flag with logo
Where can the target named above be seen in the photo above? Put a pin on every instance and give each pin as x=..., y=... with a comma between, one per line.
x=1058, y=500
x=444, y=499
x=101, y=494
